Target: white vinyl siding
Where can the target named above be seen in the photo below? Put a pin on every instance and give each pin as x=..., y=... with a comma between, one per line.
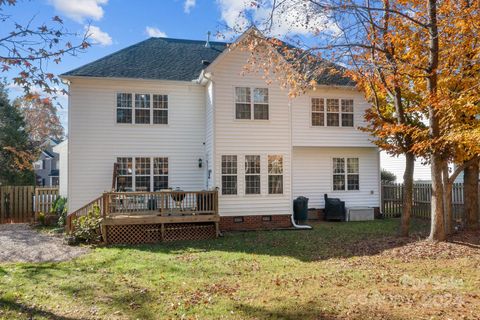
x=310, y=115
x=242, y=138
x=96, y=140
x=313, y=171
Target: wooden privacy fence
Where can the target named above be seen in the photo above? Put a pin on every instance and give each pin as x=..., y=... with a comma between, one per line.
x=21, y=204
x=392, y=197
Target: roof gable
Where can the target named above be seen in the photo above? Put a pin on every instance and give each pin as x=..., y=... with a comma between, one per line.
x=154, y=58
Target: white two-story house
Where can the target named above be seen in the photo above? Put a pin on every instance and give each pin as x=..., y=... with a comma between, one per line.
x=181, y=114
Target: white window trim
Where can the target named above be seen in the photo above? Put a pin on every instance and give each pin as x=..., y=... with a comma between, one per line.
x=152, y=175
x=325, y=112
x=346, y=174
x=133, y=109
x=252, y=109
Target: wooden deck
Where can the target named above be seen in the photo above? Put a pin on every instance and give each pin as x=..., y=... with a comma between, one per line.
x=143, y=217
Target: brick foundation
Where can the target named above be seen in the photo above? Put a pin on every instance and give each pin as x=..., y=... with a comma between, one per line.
x=255, y=222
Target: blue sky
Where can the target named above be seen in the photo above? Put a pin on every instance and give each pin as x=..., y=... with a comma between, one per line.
x=116, y=24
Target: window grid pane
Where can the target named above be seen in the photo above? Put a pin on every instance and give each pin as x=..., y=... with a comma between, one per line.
x=243, y=111
x=229, y=184
x=252, y=184
x=318, y=119
x=124, y=115
x=353, y=182
x=242, y=95
x=338, y=165
x=347, y=120
x=229, y=164
x=160, y=116
x=142, y=101
x=260, y=111
x=142, y=116
x=338, y=182
x=352, y=165
x=160, y=101
x=275, y=164
x=260, y=95
x=275, y=184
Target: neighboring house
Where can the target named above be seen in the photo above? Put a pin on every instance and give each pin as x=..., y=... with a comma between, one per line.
x=421, y=171
x=46, y=167
x=61, y=150
x=179, y=113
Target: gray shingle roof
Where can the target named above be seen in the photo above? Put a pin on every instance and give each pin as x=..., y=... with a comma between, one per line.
x=176, y=59
x=154, y=58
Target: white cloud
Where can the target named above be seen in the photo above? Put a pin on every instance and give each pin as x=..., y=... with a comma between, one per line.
x=98, y=36
x=79, y=10
x=189, y=5
x=290, y=16
x=155, y=32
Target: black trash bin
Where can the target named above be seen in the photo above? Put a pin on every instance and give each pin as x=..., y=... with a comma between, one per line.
x=300, y=208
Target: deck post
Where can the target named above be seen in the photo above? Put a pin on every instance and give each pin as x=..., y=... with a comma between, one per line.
x=105, y=209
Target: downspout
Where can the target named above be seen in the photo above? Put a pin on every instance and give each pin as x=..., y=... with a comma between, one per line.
x=294, y=224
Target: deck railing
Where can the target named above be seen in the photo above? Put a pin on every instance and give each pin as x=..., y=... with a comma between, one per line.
x=98, y=202
x=161, y=203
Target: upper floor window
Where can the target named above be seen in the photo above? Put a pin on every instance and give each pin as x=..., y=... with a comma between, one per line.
x=346, y=175
x=247, y=106
x=275, y=174
x=142, y=108
x=229, y=174
x=332, y=112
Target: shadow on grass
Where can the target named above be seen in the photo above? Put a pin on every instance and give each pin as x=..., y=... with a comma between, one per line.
x=32, y=312
x=327, y=240
x=312, y=310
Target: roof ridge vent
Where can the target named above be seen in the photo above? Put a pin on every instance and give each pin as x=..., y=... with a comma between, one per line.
x=207, y=44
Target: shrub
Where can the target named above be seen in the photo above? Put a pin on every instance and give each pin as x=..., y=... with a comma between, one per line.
x=60, y=209
x=86, y=228
x=388, y=176
x=41, y=218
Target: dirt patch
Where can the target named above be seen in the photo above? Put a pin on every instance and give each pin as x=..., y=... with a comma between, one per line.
x=21, y=243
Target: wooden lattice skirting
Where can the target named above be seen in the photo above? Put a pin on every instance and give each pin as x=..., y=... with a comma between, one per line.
x=153, y=233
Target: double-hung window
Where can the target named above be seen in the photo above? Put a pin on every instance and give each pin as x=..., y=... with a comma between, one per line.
x=229, y=174
x=160, y=109
x=160, y=174
x=124, y=108
x=248, y=107
x=142, y=108
x=332, y=112
x=275, y=174
x=346, y=174
x=252, y=174
x=142, y=173
x=124, y=174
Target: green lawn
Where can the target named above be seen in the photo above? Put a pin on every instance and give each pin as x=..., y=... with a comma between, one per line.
x=336, y=271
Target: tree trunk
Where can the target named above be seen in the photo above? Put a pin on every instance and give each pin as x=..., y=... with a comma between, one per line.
x=437, y=231
x=407, y=194
x=447, y=200
x=470, y=196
